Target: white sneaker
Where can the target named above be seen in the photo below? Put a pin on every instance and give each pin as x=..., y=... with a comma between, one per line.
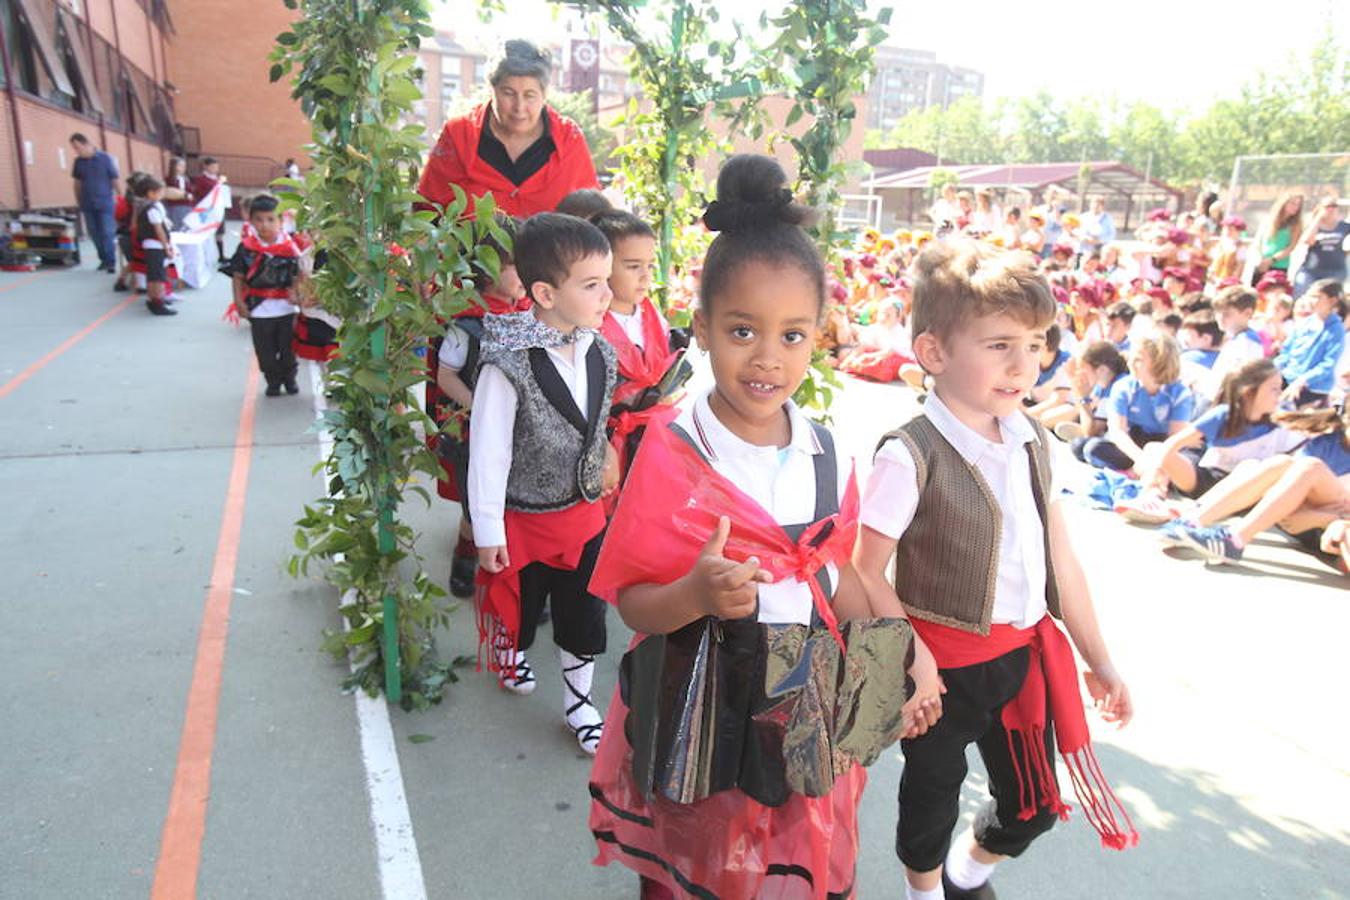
x=1146, y=509
x=1068, y=432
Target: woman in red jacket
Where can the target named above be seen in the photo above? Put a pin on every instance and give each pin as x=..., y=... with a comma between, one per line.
x=514, y=146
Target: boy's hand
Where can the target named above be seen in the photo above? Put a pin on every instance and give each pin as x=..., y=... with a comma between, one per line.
x=609, y=476
x=727, y=590
x=924, y=708
x=243, y=310
x=493, y=559
x=1110, y=694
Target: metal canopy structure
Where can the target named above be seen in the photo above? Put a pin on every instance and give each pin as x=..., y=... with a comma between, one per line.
x=1097, y=177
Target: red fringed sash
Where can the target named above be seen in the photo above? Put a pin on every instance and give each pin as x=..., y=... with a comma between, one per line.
x=673, y=493
x=553, y=538
x=1053, y=673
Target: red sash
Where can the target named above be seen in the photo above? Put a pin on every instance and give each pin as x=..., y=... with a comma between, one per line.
x=639, y=367
x=673, y=501
x=1052, y=674
x=553, y=538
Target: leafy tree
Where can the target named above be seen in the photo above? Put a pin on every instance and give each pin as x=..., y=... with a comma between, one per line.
x=352, y=64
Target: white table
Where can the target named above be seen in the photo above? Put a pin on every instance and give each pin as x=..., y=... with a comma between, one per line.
x=197, y=256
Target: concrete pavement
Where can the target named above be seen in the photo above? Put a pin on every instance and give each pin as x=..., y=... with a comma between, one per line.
x=114, y=463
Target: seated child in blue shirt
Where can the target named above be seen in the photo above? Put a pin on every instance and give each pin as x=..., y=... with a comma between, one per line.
x=1148, y=405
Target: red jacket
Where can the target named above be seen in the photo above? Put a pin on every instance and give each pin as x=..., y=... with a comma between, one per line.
x=455, y=160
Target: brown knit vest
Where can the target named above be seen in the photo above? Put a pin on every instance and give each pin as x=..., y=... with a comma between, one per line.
x=946, y=562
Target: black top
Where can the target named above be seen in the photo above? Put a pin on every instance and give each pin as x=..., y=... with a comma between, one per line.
x=493, y=152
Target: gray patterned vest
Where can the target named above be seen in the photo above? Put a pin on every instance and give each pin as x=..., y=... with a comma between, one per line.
x=946, y=562
x=557, y=454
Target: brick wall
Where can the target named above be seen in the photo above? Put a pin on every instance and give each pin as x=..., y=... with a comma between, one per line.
x=218, y=62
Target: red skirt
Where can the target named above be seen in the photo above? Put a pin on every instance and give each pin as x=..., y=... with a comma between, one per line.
x=728, y=845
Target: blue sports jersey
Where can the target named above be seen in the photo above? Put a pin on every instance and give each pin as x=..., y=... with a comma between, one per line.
x=1257, y=440
x=1047, y=374
x=1204, y=358
x=1330, y=449
x=1154, y=413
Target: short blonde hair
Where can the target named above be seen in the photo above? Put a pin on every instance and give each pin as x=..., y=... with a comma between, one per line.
x=1162, y=355
x=960, y=281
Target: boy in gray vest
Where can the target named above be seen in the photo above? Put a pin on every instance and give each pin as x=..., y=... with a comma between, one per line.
x=963, y=497
x=539, y=463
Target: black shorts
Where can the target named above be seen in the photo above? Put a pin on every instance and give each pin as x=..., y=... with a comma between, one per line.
x=154, y=265
x=1205, y=476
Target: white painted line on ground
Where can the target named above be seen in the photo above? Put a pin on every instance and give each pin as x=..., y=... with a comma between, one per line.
x=395, y=844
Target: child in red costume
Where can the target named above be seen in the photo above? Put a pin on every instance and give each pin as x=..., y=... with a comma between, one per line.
x=963, y=497
x=539, y=463
x=738, y=466
x=265, y=272
x=450, y=394
x=638, y=333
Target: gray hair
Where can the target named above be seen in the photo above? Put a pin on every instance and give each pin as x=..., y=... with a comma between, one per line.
x=521, y=59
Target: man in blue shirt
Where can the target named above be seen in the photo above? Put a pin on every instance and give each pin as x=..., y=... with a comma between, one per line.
x=1098, y=225
x=96, y=192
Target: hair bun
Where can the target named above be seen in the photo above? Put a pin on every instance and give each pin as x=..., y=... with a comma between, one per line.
x=739, y=215
x=525, y=51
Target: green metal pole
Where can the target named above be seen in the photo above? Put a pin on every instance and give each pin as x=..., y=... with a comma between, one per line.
x=379, y=340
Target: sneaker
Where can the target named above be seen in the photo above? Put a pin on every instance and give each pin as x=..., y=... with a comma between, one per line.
x=159, y=309
x=1146, y=509
x=120, y=288
x=1068, y=432
x=273, y=390
x=462, y=571
x=1172, y=534
x=1215, y=544
x=291, y=387
x=171, y=298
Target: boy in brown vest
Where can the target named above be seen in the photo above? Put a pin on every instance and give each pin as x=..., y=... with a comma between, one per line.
x=963, y=497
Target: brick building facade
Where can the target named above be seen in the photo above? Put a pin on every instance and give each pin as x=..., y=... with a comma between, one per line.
x=93, y=66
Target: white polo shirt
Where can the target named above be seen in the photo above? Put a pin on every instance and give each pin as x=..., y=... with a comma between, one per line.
x=892, y=496
x=782, y=481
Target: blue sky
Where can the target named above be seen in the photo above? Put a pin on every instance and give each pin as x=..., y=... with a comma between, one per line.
x=1170, y=52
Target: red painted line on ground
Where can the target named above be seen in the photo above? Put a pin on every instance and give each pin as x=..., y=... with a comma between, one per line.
x=27, y=279
x=180, y=848
x=9, y=386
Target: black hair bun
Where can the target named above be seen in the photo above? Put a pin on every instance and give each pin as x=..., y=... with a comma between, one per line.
x=752, y=194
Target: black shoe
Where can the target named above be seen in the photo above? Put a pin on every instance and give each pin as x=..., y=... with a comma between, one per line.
x=952, y=892
x=273, y=390
x=120, y=288
x=462, y=570
x=292, y=387
x=159, y=309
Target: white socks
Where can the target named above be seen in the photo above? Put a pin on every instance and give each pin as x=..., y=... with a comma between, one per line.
x=580, y=712
x=963, y=870
x=913, y=893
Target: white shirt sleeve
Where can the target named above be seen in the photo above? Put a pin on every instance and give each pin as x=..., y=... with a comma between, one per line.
x=491, y=425
x=892, y=493
x=154, y=215
x=454, y=352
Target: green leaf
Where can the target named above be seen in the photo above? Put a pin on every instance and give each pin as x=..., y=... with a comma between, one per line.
x=275, y=73
x=421, y=738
